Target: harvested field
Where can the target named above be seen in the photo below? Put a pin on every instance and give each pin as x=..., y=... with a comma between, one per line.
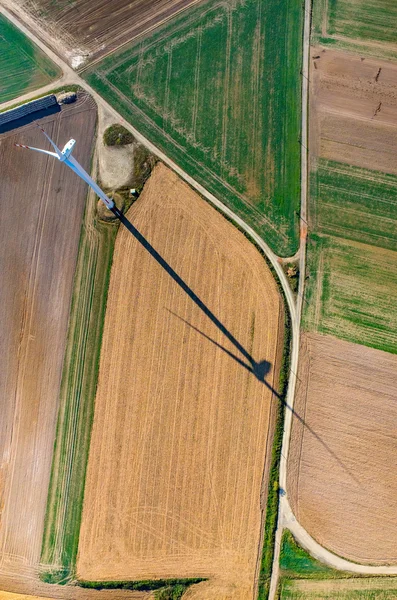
x=218, y=89
x=351, y=292
x=29, y=589
x=340, y=589
x=354, y=203
x=341, y=479
x=89, y=29
x=353, y=110
x=181, y=440
x=42, y=207
x=23, y=66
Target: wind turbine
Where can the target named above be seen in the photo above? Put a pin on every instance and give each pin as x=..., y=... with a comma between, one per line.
x=66, y=157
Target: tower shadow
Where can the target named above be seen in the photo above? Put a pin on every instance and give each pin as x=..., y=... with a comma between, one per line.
x=259, y=369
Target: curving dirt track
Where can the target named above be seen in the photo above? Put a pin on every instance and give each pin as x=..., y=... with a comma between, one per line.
x=182, y=427
x=341, y=465
x=42, y=204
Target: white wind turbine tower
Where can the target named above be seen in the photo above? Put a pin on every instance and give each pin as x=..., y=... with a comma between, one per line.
x=66, y=157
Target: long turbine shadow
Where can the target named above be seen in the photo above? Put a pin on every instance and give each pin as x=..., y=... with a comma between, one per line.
x=267, y=384
x=258, y=369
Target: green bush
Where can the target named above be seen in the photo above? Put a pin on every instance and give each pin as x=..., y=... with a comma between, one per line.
x=175, y=585
x=171, y=592
x=117, y=135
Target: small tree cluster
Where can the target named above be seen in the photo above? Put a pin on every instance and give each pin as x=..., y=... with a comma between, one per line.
x=117, y=135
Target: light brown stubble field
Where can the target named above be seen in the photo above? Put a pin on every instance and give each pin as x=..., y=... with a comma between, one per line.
x=353, y=116
x=341, y=471
x=182, y=430
x=42, y=203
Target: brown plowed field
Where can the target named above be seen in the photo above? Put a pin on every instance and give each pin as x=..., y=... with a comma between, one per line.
x=42, y=203
x=341, y=471
x=94, y=27
x=353, y=115
x=182, y=427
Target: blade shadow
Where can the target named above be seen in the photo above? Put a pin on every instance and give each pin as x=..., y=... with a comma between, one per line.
x=264, y=368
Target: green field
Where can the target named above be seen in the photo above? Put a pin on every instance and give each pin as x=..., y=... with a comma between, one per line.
x=354, y=203
x=218, y=88
x=351, y=292
x=351, y=255
x=366, y=26
x=23, y=66
x=78, y=387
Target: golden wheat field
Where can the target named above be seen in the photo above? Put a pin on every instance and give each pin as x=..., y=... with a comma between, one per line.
x=181, y=441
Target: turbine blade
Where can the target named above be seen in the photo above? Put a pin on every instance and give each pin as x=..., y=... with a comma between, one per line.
x=57, y=150
x=37, y=150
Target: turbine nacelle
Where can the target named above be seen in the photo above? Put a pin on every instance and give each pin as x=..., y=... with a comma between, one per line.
x=65, y=157
x=67, y=149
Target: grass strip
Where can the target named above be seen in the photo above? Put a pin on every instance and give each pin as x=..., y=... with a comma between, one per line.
x=77, y=394
x=296, y=563
x=272, y=505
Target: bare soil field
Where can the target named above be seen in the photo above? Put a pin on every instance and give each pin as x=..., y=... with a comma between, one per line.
x=341, y=465
x=181, y=441
x=89, y=28
x=353, y=109
x=42, y=206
